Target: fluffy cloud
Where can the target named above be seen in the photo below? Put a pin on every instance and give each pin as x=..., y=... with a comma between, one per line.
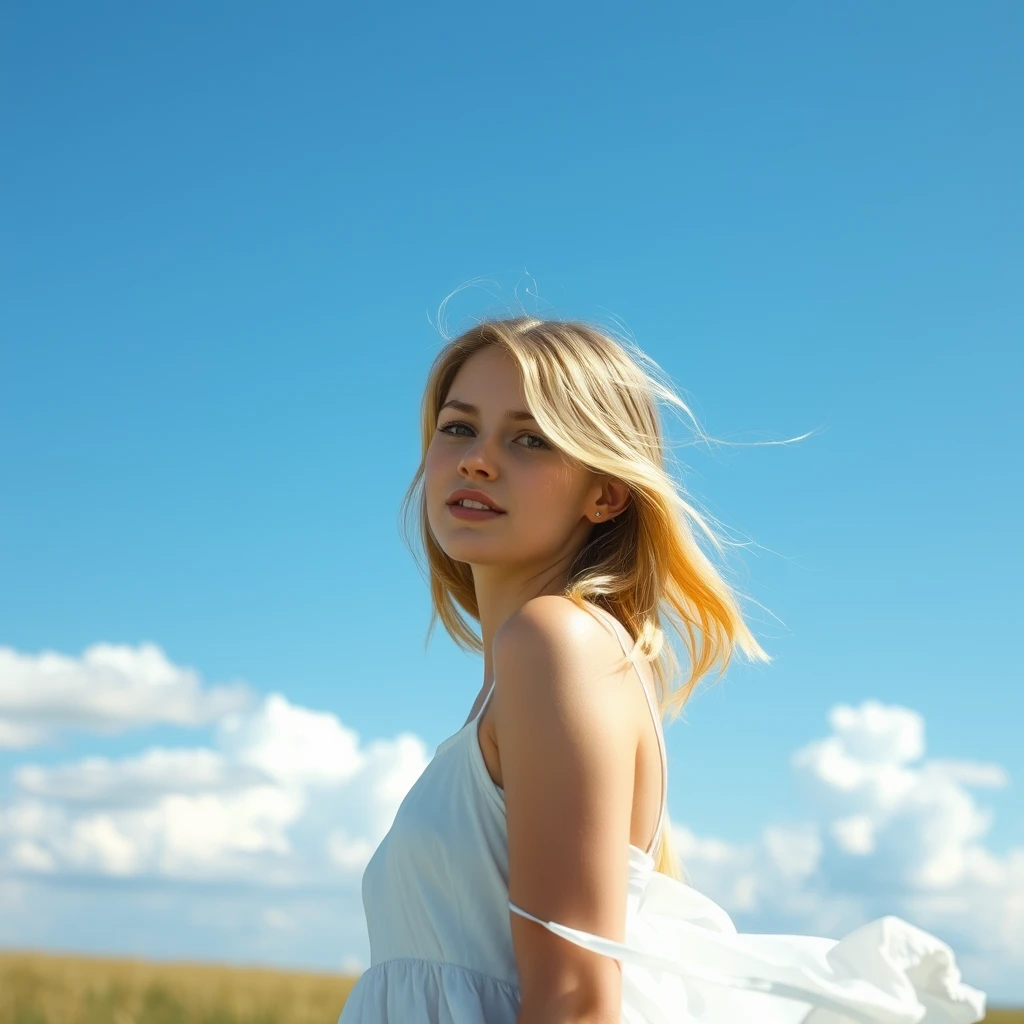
x=139, y=780
x=18, y=735
x=111, y=687
x=289, y=797
x=891, y=833
x=889, y=823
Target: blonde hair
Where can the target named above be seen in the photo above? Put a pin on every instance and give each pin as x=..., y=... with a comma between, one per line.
x=596, y=402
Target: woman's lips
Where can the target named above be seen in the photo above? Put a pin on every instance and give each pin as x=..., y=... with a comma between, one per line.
x=462, y=512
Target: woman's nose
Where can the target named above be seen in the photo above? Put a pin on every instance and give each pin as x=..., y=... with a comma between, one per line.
x=478, y=457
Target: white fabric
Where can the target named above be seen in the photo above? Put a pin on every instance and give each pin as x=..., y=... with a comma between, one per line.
x=435, y=894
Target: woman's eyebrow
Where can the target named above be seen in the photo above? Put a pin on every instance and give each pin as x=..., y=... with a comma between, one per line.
x=512, y=414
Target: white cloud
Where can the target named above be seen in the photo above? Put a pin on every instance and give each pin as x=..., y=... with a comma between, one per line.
x=906, y=825
x=792, y=852
x=855, y=834
x=137, y=780
x=890, y=833
x=291, y=796
x=200, y=836
x=348, y=853
x=876, y=733
x=109, y=688
x=18, y=736
x=969, y=773
x=31, y=856
x=292, y=744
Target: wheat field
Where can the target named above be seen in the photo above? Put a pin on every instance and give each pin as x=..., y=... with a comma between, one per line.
x=44, y=988
x=38, y=988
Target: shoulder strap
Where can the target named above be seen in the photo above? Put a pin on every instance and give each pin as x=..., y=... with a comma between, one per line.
x=483, y=705
x=619, y=629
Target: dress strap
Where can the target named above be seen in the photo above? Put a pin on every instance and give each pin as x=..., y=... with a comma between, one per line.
x=619, y=630
x=483, y=704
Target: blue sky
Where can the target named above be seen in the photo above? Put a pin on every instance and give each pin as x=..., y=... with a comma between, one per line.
x=233, y=229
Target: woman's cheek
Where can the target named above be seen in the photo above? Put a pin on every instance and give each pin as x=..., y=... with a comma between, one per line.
x=432, y=469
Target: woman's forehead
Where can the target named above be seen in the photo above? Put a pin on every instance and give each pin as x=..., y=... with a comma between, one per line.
x=488, y=376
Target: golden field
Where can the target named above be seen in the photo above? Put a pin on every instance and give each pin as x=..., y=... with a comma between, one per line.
x=38, y=988
x=43, y=988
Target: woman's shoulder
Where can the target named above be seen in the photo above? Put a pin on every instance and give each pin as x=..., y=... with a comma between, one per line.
x=551, y=650
x=552, y=621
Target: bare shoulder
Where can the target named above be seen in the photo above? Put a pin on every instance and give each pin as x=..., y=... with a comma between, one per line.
x=553, y=655
x=554, y=626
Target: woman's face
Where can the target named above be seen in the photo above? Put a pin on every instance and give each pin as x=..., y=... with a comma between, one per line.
x=547, y=499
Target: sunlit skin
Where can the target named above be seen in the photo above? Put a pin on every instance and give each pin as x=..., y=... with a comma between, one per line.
x=550, y=501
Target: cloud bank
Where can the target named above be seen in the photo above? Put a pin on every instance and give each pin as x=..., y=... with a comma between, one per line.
x=255, y=844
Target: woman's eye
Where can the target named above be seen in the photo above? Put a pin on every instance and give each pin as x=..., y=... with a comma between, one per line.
x=448, y=428
x=536, y=437
x=451, y=428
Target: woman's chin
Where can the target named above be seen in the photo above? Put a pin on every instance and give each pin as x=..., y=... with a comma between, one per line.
x=475, y=550
x=473, y=554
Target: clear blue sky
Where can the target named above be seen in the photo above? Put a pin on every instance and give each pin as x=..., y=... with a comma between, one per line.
x=229, y=227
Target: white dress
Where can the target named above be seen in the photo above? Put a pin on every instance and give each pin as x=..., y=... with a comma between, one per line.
x=437, y=908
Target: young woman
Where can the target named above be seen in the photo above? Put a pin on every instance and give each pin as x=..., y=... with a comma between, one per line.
x=529, y=876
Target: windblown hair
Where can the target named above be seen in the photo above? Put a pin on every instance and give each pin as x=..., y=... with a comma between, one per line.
x=598, y=404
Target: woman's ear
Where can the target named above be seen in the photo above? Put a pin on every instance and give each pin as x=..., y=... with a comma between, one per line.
x=613, y=500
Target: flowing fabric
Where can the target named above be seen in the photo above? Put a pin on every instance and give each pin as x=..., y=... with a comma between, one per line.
x=683, y=960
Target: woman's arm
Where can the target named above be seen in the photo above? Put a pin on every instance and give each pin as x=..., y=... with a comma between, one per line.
x=567, y=731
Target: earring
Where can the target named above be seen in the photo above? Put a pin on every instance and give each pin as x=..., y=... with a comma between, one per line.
x=597, y=515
